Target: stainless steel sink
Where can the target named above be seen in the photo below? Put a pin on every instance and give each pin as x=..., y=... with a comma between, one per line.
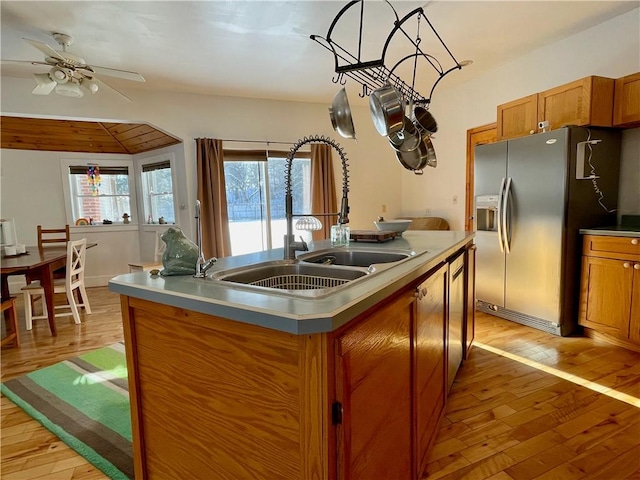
x=296, y=278
x=354, y=257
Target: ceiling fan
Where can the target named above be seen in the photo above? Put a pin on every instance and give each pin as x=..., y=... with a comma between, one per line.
x=69, y=74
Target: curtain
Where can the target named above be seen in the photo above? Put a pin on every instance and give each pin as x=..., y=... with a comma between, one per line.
x=212, y=193
x=323, y=188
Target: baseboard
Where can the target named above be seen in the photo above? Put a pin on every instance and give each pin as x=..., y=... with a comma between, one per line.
x=619, y=342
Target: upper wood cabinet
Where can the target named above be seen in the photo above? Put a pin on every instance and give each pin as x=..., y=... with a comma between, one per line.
x=518, y=117
x=588, y=101
x=626, y=104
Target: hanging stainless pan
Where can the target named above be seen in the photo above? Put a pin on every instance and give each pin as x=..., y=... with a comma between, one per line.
x=387, y=110
x=422, y=156
x=340, y=115
x=425, y=121
x=406, y=139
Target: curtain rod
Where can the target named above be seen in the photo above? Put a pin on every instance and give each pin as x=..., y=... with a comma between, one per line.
x=256, y=141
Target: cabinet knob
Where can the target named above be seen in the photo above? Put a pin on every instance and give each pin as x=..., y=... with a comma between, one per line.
x=636, y=266
x=420, y=292
x=634, y=241
x=626, y=264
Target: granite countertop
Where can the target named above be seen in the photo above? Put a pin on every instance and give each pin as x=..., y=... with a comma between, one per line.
x=293, y=314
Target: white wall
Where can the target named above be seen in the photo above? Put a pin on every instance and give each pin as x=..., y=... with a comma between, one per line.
x=611, y=49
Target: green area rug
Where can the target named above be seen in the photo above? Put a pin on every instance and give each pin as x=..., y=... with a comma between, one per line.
x=85, y=402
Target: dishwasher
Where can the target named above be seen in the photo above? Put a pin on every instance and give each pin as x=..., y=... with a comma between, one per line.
x=455, y=328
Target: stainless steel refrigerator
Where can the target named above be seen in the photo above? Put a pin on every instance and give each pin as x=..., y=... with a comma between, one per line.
x=532, y=195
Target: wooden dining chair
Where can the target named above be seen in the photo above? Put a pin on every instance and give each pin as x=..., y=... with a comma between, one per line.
x=53, y=237
x=74, y=280
x=10, y=313
x=50, y=236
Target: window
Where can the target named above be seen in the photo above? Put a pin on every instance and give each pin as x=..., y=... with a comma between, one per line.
x=100, y=192
x=255, y=187
x=157, y=192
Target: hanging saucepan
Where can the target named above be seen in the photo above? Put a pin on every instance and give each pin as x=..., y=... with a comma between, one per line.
x=340, y=115
x=406, y=139
x=422, y=156
x=425, y=121
x=386, y=110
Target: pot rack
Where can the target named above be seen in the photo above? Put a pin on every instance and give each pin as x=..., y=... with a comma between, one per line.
x=374, y=74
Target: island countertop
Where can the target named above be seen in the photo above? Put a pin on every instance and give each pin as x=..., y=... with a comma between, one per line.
x=295, y=314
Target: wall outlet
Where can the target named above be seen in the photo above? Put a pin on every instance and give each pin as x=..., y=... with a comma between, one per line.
x=427, y=211
x=455, y=199
x=383, y=209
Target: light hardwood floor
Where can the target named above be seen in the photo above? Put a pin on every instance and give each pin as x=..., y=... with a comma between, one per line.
x=525, y=405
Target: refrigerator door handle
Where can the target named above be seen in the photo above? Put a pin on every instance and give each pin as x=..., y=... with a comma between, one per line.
x=499, y=215
x=506, y=228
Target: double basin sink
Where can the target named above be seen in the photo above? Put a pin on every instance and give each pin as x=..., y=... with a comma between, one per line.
x=313, y=274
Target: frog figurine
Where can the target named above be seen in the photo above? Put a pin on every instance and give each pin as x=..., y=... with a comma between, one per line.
x=181, y=254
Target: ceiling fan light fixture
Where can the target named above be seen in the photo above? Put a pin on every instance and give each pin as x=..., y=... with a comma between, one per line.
x=60, y=75
x=44, y=84
x=90, y=85
x=70, y=89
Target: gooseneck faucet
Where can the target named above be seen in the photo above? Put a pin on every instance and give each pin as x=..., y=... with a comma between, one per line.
x=202, y=265
x=290, y=245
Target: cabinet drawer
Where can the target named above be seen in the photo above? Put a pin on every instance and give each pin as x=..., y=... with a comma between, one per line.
x=606, y=246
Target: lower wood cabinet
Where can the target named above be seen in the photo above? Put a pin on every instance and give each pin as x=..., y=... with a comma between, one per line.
x=390, y=384
x=610, y=289
x=430, y=362
x=373, y=388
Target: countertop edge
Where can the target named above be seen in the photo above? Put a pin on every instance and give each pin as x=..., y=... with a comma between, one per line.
x=297, y=316
x=609, y=232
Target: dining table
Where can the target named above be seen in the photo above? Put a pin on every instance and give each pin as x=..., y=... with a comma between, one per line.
x=37, y=264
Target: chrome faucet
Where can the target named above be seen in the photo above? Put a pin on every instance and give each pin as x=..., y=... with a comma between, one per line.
x=290, y=245
x=202, y=265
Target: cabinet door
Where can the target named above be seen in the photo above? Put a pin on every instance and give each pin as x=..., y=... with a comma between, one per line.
x=518, y=117
x=626, y=103
x=373, y=384
x=588, y=101
x=470, y=298
x=429, y=362
x=634, y=321
x=605, y=303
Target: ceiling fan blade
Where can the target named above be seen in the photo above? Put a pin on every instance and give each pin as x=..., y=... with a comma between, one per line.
x=24, y=62
x=114, y=72
x=46, y=49
x=103, y=84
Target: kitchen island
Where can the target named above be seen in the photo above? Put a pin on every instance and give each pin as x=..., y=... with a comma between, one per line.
x=232, y=382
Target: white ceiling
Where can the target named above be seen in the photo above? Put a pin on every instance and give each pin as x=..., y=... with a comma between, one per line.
x=263, y=50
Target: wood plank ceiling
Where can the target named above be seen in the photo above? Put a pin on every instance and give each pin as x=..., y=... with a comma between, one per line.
x=23, y=133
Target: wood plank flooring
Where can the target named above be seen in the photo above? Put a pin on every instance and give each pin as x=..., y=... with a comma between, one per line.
x=529, y=405
x=525, y=405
